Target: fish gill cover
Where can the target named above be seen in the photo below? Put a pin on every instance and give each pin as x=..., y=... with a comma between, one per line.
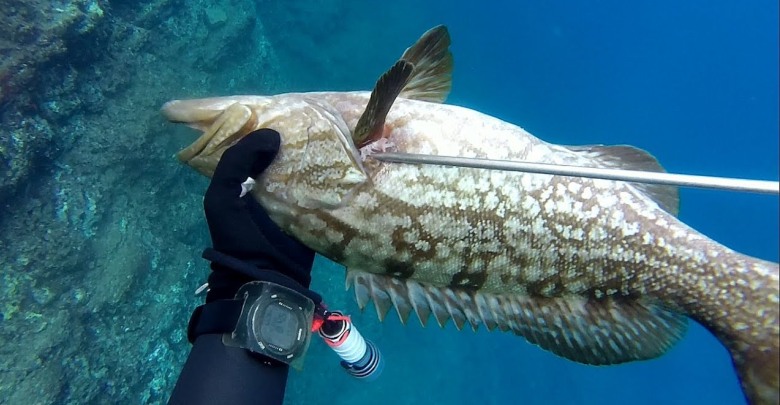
x=100, y=229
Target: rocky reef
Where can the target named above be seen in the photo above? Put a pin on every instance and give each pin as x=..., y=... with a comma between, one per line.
x=101, y=228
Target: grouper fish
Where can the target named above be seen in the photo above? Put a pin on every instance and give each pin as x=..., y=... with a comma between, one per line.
x=596, y=271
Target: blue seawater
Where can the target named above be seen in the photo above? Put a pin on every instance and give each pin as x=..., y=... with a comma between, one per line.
x=695, y=83
x=101, y=228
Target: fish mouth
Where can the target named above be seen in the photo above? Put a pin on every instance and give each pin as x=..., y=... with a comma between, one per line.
x=221, y=127
x=182, y=112
x=195, y=148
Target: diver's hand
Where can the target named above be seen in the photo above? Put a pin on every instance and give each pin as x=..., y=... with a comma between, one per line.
x=247, y=246
x=249, y=157
x=240, y=227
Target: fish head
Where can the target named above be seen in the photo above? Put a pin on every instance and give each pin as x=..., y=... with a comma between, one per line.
x=318, y=165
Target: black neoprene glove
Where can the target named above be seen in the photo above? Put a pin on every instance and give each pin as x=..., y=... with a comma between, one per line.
x=240, y=227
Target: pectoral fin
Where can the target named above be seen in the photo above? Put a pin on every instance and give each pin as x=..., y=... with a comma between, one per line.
x=424, y=72
x=432, y=60
x=371, y=124
x=590, y=331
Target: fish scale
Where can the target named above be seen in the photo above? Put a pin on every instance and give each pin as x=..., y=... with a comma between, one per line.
x=596, y=271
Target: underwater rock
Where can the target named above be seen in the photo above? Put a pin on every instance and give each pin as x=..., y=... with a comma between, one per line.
x=215, y=16
x=33, y=33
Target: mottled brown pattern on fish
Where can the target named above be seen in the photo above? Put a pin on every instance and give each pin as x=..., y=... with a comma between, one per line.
x=508, y=234
x=657, y=258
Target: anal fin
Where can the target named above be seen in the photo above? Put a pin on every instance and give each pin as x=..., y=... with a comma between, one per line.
x=585, y=330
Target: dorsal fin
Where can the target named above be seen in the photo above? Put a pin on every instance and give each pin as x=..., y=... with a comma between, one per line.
x=587, y=330
x=432, y=60
x=371, y=124
x=632, y=158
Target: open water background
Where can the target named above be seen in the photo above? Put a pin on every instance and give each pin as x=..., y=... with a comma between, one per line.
x=101, y=228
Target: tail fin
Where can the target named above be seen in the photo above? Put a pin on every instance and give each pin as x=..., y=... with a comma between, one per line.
x=741, y=309
x=759, y=373
x=749, y=326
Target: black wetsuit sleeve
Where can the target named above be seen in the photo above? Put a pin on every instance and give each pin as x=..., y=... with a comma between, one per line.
x=219, y=374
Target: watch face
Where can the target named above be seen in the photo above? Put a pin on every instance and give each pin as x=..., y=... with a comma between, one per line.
x=278, y=327
x=275, y=322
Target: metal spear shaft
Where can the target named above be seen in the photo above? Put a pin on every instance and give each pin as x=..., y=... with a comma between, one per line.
x=683, y=180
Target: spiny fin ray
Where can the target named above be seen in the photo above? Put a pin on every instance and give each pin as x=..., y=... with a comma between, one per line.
x=590, y=331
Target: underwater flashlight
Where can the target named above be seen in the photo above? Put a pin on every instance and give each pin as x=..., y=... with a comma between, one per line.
x=360, y=357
